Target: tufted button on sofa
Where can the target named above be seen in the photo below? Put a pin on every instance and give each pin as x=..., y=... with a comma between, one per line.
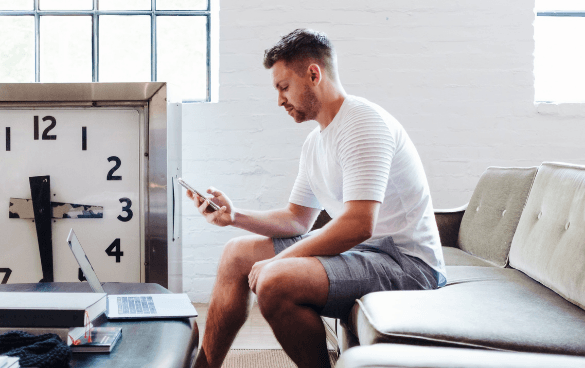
x=515, y=260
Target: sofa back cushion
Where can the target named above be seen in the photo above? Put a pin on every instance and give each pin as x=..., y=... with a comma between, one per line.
x=489, y=223
x=549, y=244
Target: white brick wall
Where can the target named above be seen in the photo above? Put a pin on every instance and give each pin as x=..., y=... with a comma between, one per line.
x=456, y=73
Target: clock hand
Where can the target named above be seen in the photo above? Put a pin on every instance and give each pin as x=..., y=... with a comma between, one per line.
x=40, y=189
x=23, y=209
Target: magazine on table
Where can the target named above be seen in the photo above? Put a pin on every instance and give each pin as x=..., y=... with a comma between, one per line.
x=98, y=340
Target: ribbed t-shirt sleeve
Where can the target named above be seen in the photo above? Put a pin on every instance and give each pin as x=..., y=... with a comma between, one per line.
x=366, y=149
x=301, y=193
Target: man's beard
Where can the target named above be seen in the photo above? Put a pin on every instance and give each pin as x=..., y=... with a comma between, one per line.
x=309, y=106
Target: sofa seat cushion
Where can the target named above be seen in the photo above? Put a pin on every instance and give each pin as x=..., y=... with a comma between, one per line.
x=485, y=307
x=549, y=244
x=393, y=355
x=457, y=257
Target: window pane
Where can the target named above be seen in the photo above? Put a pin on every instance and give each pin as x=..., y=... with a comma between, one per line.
x=181, y=4
x=66, y=49
x=184, y=67
x=559, y=59
x=124, y=48
x=560, y=5
x=66, y=4
x=16, y=5
x=17, y=52
x=125, y=4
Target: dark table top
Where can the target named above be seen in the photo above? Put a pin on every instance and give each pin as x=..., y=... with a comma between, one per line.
x=144, y=343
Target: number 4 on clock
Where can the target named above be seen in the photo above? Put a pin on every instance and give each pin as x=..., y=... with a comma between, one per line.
x=114, y=250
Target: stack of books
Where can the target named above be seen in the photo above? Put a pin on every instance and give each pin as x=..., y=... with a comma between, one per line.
x=68, y=315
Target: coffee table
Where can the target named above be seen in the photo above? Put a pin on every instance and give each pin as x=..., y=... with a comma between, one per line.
x=156, y=343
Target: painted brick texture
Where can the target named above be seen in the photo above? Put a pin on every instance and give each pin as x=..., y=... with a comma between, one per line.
x=457, y=74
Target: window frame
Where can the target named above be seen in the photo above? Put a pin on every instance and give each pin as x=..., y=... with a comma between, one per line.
x=563, y=13
x=96, y=13
x=559, y=13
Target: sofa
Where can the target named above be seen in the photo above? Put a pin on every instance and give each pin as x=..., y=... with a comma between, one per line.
x=515, y=257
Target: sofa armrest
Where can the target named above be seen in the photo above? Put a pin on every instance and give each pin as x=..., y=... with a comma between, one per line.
x=321, y=220
x=448, y=222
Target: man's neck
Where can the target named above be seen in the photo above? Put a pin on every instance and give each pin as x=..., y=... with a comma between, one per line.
x=330, y=106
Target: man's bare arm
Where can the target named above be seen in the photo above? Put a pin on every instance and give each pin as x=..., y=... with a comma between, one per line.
x=354, y=226
x=286, y=222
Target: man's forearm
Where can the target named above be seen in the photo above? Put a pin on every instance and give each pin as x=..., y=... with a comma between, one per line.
x=281, y=223
x=354, y=226
x=338, y=236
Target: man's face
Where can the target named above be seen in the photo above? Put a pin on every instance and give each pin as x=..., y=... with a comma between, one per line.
x=295, y=93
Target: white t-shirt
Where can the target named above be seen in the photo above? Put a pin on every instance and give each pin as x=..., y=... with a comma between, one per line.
x=365, y=154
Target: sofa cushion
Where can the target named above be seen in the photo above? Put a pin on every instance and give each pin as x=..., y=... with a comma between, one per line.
x=549, y=244
x=489, y=223
x=393, y=355
x=486, y=307
x=457, y=257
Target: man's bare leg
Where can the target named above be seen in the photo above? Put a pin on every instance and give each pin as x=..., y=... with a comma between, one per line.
x=289, y=291
x=230, y=299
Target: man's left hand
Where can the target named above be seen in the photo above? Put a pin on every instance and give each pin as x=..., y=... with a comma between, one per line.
x=255, y=273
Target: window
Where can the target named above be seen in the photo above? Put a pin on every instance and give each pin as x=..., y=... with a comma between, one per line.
x=108, y=41
x=559, y=56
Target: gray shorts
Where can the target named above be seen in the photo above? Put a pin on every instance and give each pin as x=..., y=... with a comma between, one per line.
x=365, y=268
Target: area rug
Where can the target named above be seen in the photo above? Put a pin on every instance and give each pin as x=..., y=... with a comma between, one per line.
x=263, y=359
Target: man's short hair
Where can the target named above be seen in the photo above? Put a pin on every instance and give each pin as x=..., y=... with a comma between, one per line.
x=300, y=48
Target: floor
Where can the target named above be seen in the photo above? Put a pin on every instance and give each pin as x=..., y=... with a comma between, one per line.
x=255, y=334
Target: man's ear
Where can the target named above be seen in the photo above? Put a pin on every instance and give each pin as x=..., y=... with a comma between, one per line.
x=315, y=74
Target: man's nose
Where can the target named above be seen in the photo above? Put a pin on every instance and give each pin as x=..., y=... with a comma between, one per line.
x=281, y=99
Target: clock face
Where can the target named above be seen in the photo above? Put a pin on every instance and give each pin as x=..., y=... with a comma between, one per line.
x=84, y=156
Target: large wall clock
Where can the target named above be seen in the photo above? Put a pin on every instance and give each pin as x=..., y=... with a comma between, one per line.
x=93, y=157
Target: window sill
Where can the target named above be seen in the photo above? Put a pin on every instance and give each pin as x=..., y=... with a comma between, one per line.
x=560, y=108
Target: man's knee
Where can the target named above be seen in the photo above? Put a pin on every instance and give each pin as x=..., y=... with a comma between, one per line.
x=235, y=258
x=240, y=254
x=291, y=282
x=272, y=290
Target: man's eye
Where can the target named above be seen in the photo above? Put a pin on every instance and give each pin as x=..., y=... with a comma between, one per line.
x=285, y=88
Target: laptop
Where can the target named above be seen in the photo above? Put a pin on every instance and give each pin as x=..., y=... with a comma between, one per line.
x=132, y=306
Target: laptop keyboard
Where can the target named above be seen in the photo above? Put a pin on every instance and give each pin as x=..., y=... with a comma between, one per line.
x=136, y=305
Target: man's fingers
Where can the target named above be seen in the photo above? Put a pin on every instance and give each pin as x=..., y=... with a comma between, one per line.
x=214, y=192
x=252, y=283
x=217, y=214
x=202, y=206
x=252, y=280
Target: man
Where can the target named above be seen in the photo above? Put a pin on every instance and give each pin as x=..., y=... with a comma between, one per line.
x=360, y=165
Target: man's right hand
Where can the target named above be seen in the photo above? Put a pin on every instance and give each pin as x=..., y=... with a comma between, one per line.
x=222, y=217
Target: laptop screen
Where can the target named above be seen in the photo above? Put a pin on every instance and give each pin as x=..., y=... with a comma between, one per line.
x=83, y=262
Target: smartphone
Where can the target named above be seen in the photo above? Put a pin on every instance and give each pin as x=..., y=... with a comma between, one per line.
x=211, y=204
